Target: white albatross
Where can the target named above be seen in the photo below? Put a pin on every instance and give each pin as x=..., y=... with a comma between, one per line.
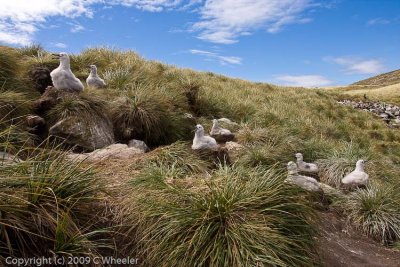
x=202, y=141
x=304, y=166
x=307, y=183
x=93, y=80
x=358, y=177
x=63, y=78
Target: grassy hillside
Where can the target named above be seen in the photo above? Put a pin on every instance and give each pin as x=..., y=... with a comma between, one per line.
x=389, y=93
x=172, y=206
x=384, y=79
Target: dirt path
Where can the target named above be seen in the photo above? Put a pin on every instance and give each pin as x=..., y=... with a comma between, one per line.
x=340, y=245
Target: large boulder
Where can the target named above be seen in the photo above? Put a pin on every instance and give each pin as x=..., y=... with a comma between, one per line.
x=138, y=144
x=81, y=124
x=115, y=151
x=83, y=133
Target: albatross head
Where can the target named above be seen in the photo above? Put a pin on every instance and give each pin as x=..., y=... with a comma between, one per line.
x=299, y=156
x=292, y=168
x=199, y=130
x=63, y=57
x=93, y=69
x=215, y=122
x=360, y=164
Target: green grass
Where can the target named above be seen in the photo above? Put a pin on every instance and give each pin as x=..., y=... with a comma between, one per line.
x=375, y=211
x=176, y=206
x=242, y=217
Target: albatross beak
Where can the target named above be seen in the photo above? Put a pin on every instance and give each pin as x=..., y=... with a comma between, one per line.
x=55, y=56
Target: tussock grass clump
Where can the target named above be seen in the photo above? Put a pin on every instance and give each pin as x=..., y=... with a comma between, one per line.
x=83, y=106
x=43, y=208
x=145, y=114
x=243, y=218
x=32, y=50
x=13, y=105
x=180, y=156
x=375, y=211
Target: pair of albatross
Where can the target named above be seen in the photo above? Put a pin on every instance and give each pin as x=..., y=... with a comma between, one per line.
x=218, y=134
x=64, y=79
x=356, y=178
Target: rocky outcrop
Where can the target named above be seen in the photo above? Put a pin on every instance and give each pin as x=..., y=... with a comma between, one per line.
x=85, y=134
x=387, y=112
x=234, y=150
x=115, y=151
x=87, y=130
x=138, y=144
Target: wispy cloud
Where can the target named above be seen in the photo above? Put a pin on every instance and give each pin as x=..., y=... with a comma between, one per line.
x=150, y=5
x=76, y=27
x=224, y=60
x=378, y=21
x=356, y=65
x=20, y=20
x=60, y=45
x=303, y=80
x=224, y=21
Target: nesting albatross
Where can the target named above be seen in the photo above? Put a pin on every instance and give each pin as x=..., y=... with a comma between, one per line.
x=307, y=183
x=304, y=166
x=63, y=78
x=358, y=177
x=202, y=141
x=94, y=80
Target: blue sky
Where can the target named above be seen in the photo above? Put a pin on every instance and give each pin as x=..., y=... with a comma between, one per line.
x=289, y=42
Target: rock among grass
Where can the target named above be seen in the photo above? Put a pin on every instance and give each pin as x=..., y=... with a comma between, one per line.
x=88, y=135
x=114, y=151
x=80, y=121
x=221, y=135
x=138, y=144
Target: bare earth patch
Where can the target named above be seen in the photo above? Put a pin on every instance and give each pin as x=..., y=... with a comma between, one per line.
x=341, y=245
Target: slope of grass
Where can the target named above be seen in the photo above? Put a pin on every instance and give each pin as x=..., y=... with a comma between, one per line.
x=384, y=79
x=178, y=209
x=389, y=93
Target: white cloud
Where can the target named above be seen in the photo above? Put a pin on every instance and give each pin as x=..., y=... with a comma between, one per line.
x=223, y=21
x=149, y=5
x=224, y=60
x=76, y=27
x=378, y=21
x=60, y=45
x=303, y=80
x=355, y=65
x=20, y=19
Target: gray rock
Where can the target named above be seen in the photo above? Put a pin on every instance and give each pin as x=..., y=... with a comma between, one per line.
x=115, y=151
x=86, y=134
x=7, y=158
x=138, y=144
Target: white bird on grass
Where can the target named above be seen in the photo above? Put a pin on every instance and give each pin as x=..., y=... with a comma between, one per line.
x=202, y=141
x=304, y=166
x=93, y=80
x=63, y=78
x=307, y=183
x=358, y=177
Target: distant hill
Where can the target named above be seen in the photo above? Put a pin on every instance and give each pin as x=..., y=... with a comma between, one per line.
x=384, y=79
